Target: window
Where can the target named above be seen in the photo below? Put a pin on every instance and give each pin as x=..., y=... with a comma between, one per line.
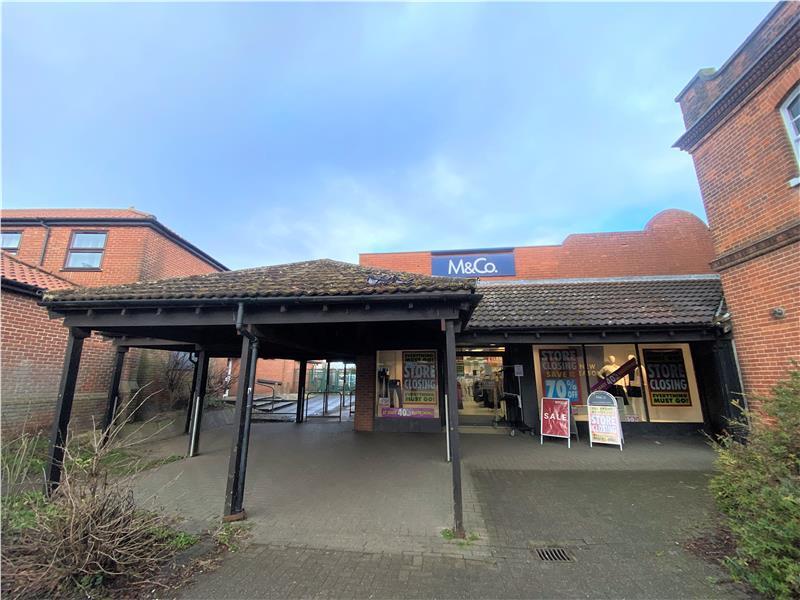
x=11, y=241
x=407, y=385
x=86, y=250
x=791, y=115
x=662, y=388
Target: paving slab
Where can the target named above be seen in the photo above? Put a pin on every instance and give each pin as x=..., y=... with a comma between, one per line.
x=338, y=514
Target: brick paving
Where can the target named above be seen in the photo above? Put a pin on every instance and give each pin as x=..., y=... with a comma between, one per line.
x=336, y=514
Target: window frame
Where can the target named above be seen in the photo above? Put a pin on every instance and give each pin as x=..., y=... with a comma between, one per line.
x=71, y=249
x=789, y=123
x=15, y=251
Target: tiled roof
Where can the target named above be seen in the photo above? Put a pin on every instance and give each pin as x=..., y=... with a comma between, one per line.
x=16, y=270
x=617, y=302
x=310, y=278
x=74, y=213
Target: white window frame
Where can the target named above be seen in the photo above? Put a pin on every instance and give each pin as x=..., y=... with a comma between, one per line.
x=792, y=129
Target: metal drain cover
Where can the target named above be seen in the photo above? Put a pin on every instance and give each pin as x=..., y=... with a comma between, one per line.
x=554, y=555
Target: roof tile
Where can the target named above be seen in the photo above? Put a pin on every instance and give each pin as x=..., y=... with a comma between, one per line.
x=74, y=213
x=14, y=269
x=310, y=278
x=646, y=301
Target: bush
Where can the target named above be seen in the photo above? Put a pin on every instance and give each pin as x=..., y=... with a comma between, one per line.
x=757, y=489
x=89, y=535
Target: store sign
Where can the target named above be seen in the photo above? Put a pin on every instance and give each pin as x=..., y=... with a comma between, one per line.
x=554, y=418
x=604, y=423
x=499, y=264
x=667, y=380
x=560, y=373
x=419, y=396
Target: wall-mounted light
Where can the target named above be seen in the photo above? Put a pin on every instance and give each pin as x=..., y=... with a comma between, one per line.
x=778, y=312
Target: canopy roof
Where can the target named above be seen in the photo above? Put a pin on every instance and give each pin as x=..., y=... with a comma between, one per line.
x=313, y=278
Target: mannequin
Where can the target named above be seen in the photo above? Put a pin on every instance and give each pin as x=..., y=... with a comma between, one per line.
x=608, y=368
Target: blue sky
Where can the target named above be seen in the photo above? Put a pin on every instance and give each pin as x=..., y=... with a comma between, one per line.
x=267, y=133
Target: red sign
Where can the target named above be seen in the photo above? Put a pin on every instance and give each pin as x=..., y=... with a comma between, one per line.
x=555, y=417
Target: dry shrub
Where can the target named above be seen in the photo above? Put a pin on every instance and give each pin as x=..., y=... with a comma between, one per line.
x=89, y=534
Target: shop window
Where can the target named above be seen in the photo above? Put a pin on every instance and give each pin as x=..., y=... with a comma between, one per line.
x=791, y=116
x=662, y=388
x=670, y=382
x=407, y=385
x=11, y=240
x=571, y=371
x=86, y=250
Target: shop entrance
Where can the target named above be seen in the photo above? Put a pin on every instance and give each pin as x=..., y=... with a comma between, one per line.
x=329, y=391
x=480, y=386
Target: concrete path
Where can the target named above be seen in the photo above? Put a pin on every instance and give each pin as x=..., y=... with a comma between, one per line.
x=336, y=514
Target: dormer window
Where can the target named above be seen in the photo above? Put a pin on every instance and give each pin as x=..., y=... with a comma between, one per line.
x=86, y=250
x=791, y=116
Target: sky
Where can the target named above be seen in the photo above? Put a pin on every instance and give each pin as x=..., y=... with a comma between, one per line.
x=267, y=133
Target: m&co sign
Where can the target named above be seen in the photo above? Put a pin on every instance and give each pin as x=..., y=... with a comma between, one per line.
x=468, y=264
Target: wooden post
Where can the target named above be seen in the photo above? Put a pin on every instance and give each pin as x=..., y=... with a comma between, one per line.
x=455, y=443
x=66, y=394
x=112, y=404
x=301, y=391
x=192, y=392
x=201, y=378
x=237, y=466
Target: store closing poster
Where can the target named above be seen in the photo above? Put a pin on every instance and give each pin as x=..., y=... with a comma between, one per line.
x=560, y=373
x=420, y=391
x=667, y=379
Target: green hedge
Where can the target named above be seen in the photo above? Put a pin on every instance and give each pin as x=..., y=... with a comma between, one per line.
x=757, y=489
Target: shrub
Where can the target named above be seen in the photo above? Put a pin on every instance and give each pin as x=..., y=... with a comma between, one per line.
x=89, y=533
x=757, y=489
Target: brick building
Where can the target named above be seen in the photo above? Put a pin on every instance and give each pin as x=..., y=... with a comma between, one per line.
x=674, y=242
x=743, y=132
x=48, y=249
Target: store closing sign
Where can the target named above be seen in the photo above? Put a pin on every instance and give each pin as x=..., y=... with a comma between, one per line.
x=554, y=419
x=604, y=423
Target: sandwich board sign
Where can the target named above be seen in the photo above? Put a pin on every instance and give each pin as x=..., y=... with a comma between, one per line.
x=555, y=419
x=604, y=423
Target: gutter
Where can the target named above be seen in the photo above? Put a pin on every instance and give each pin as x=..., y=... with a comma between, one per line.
x=234, y=300
x=13, y=285
x=44, y=242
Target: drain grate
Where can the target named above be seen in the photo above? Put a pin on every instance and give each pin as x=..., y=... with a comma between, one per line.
x=554, y=555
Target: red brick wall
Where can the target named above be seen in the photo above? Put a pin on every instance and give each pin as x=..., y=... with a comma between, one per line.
x=33, y=345
x=744, y=167
x=32, y=359
x=703, y=90
x=765, y=345
x=674, y=242
x=131, y=254
x=365, y=392
x=164, y=258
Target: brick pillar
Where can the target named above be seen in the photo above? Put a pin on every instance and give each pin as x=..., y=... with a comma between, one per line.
x=365, y=392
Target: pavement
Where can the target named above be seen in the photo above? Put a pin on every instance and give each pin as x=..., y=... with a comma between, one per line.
x=338, y=514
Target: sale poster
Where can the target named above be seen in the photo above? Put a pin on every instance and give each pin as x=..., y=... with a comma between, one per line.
x=555, y=418
x=667, y=380
x=560, y=369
